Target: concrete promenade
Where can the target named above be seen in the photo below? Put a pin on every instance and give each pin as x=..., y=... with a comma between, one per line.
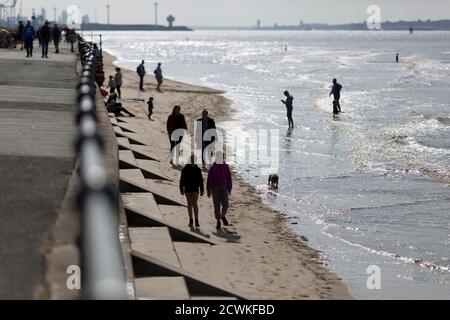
x=37, y=134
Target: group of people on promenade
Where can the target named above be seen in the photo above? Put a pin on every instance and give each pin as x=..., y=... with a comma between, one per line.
x=26, y=34
x=335, y=91
x=158, y=76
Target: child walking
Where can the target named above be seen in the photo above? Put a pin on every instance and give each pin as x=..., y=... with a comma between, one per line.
x=150, y=108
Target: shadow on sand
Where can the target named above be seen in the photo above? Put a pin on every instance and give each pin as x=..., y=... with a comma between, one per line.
x=229, y=236
x=199, y=232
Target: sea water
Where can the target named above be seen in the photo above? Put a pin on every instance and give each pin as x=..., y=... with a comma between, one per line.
x=367, y=187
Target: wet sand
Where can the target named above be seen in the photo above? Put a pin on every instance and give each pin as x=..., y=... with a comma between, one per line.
x=257, y=255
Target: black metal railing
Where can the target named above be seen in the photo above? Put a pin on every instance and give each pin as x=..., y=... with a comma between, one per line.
x=103, y=271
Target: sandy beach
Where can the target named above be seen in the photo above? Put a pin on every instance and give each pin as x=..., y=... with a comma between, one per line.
x=258, y=256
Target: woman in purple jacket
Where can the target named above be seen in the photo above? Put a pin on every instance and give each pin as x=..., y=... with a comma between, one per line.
x=219, y=185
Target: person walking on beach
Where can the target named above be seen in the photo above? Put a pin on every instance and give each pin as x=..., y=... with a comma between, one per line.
x=111, y=85
x=141, y=73
x=191, y=186
x=175, y=121
x=150, y=108
x=45, y=35
x=159, y=77
x=205, y=123
x=19, y=39
x=397, y=59
x=289, y=103
x=336, y=92
x=118, y=79
x=28, y=36
x=219, y=185
x=56, y=35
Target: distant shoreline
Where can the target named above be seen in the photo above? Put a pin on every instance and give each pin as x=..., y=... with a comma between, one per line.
x=130, y=27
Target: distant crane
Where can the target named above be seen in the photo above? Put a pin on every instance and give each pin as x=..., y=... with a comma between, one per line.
x=7, y=11
x=108, y=12
x=156, y=13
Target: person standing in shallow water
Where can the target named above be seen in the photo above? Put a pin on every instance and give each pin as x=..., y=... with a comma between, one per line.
x=219, y=186
x=289, y=103
x=191, y=186
x=336, y=92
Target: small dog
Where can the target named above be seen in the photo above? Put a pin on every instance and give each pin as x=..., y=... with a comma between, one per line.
x=273, y=181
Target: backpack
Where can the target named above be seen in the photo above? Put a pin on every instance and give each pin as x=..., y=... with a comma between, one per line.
x=28, y=32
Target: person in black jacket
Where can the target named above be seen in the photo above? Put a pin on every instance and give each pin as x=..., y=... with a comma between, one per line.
x=175, y=122
x=56, y=35
x=45, y=34
x=205, y=123
x=19, y=39
x=191, y=184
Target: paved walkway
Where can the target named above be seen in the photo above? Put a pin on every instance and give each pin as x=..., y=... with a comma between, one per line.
x=37, y=133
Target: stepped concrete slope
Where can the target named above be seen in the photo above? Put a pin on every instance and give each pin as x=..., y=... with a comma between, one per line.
x=157, y=269
x=37, y=134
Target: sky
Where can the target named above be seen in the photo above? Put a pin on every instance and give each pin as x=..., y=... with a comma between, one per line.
x=247, y=12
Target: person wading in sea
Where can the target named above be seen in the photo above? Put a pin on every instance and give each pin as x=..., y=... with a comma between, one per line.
x=336, y=92
x=289, y=103
x=191, y=186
